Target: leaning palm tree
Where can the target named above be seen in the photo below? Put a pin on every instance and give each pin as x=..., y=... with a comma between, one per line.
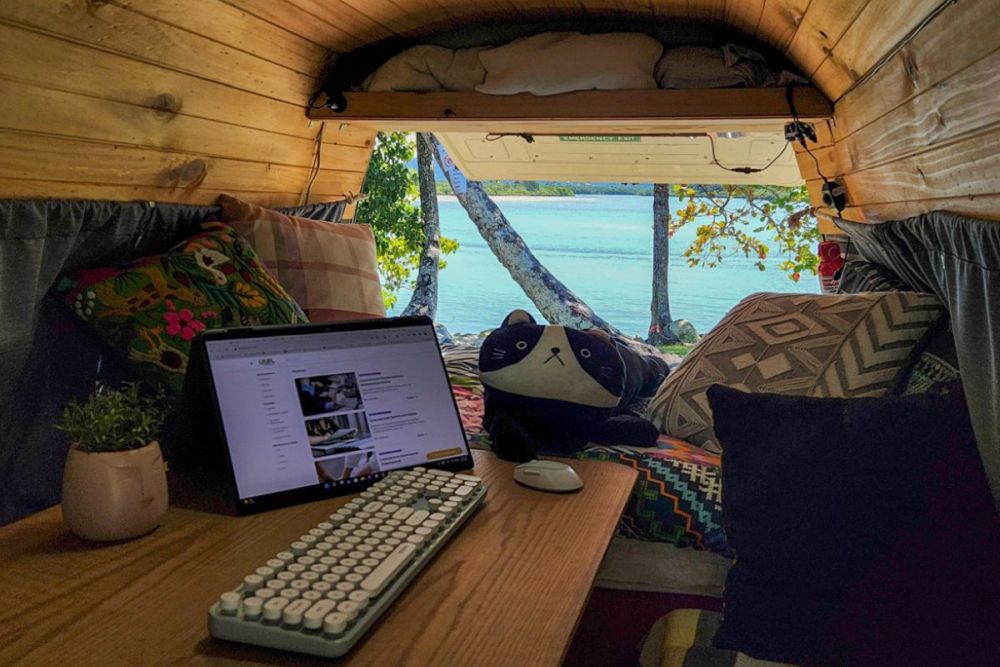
x=554, y=300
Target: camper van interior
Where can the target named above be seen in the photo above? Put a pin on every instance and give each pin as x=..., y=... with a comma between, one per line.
x=816, y=483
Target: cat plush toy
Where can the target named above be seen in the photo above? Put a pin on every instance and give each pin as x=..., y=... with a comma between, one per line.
x=551, y=390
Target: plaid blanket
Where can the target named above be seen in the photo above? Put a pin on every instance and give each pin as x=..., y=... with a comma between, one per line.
x=677, y=496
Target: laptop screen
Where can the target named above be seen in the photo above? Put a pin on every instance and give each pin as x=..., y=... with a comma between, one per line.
x=321, y=410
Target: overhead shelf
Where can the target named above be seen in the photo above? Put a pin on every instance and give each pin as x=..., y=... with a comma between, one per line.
x=602, y=111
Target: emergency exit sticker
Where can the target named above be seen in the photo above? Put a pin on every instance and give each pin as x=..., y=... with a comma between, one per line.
x=600, y=139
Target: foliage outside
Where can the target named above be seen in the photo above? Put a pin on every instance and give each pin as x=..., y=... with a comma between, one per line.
x=519, y=188
x=746, y=216
x=392, y=211
x=114, y=420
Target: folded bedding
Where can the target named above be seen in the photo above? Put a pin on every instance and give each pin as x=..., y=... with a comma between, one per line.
x=550, y=63
x=677, y=495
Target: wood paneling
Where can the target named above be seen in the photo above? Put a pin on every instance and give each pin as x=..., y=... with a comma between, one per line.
x=652, y=110
x=919, y=134
x=176, y=100
x=878, y=28
x=225, y=81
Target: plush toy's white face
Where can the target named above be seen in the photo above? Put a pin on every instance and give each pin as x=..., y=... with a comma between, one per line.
x=553, y=362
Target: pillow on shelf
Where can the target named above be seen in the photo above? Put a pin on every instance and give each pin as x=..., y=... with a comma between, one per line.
x=857, y=345
x=864, y=529
x=560, y=62
x=153, y=307
x=329, y=268
x=696, y=67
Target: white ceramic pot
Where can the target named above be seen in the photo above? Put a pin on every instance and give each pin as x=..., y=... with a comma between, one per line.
x=114, y=495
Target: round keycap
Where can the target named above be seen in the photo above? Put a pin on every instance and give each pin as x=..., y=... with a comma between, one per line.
x=314, y=553
x=348, y=562
x=370, y=562
x=293, y=569
x=340, y=569
x=331, y=578
x=276, y=564
x=286, y=556
x=332, y=558
x=253, y=581
x=229, y=602
x=306, y=560
x=312, y=596
x=322, y=586
x=309, y=576
x=319, y=568
x=252, y=607
x=336, y=596
x=290, y=593
x=276, y=584
x=415, y=539
x=423, y=531
x=437, y=516
x=335, y=623
x=345, y=586
x=348, y=608
x=299, y=585
x=360, y=598
x=362, y=569
x=354, y=577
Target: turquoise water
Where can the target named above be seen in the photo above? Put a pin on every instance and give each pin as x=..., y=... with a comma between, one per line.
x=601, y=248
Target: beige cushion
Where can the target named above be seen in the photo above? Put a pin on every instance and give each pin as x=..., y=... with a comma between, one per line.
x=560, y=62
x=429, y=68
x=695, y=67
x=843, y=346
x=329, y=268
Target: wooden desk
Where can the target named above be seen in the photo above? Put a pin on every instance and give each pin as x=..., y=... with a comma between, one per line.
x=507, y=590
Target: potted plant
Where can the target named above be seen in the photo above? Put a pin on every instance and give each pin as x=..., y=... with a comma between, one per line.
x=114, y=482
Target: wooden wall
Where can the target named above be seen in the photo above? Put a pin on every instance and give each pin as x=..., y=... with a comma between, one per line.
x=182, y=99
x=168, y=100
x=919, y=134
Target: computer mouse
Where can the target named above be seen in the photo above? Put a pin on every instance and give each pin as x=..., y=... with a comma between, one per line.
x=548, y=476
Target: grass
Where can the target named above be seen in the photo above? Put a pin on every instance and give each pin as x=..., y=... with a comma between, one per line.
x=680, y=349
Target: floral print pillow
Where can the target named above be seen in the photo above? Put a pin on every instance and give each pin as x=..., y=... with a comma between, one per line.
x=155, y=306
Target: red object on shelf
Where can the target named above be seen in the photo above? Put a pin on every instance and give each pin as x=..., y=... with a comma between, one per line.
x=830, y=264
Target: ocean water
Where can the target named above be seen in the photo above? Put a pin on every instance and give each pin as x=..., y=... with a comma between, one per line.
x=600, y=247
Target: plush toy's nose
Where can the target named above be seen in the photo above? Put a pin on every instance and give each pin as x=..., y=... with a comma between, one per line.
x=555, y=350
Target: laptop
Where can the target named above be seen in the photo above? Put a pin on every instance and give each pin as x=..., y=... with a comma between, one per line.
x=311, y=411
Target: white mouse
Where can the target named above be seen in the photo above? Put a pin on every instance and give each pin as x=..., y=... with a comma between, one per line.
x=548, y=476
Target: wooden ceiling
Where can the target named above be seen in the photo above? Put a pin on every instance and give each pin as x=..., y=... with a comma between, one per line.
x=831, y=41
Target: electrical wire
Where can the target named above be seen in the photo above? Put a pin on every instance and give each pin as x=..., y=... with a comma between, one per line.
x=744, y=170
x=800, y=135
x=317, y=159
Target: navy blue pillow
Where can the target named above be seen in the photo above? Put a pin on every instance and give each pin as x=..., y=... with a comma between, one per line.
x=819, y=494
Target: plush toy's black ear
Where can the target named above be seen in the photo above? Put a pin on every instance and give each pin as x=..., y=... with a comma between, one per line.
x=518, y=317
x=600, y=333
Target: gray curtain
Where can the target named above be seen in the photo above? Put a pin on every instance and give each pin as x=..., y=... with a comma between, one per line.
x=46, y=357
x=958, y=259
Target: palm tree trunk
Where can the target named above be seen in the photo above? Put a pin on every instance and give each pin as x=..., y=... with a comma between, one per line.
x=423, y=301
x=659, y=328
x=554, y=300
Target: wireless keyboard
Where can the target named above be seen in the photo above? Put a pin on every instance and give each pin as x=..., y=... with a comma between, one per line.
x=322, y=593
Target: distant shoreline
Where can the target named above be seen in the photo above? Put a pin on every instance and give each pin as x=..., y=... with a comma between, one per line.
x=534, y=197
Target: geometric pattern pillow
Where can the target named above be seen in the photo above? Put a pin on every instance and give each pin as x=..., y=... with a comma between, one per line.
x=844, y=346
x=153, y=307
x=329, y=268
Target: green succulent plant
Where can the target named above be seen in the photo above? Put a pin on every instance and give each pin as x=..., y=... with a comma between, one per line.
x=114, y=420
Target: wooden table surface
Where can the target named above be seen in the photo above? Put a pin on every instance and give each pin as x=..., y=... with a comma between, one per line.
x=508, y=589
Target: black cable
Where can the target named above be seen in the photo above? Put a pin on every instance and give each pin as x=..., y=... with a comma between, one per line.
x=317, y=157
x=744, y=170
x=800, y=135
